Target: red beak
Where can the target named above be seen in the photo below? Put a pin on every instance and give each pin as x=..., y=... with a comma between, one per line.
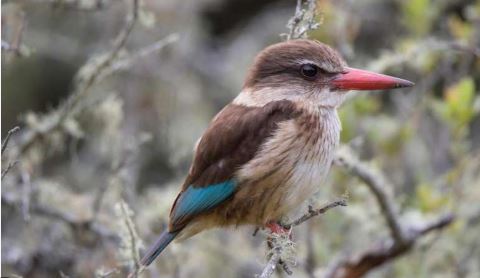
x=356, y=79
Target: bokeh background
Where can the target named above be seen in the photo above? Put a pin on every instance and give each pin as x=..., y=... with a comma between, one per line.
x=131, y=136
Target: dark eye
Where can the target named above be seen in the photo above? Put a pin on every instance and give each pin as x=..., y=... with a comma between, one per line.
x=309, y=70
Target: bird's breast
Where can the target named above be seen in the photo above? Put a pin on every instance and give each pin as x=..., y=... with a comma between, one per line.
x=291, y=165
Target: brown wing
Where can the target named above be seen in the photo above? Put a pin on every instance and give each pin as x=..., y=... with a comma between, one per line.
x=231, y=140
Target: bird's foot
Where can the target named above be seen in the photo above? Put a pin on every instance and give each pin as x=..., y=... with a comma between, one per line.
x=276, y=228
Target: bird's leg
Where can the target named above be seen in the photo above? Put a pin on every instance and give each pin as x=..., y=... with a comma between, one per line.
x=279, y=229
x=272, y=243
x=276, y=228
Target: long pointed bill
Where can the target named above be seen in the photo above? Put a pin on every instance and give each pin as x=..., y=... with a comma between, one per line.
x=356, y=79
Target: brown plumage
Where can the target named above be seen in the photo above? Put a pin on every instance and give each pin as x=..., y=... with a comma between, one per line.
x=231, y=140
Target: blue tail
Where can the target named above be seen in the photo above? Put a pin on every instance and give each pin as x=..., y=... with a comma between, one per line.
x=165, y=238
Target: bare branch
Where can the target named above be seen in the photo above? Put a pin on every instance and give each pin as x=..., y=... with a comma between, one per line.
x=84, y=83
x=303, y=21
x=315, y=212
x=377, y=183
x=7, y=138
x=383, y=252
x=270, y=267
x=9, y=167
x=4, y=148
x=124, y=63
x=133, y=240
x=60, y=215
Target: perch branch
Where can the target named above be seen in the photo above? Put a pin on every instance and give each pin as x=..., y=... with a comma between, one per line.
x=271, y=265
x=315, y=212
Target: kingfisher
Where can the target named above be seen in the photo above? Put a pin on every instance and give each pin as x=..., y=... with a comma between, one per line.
x=265, y=153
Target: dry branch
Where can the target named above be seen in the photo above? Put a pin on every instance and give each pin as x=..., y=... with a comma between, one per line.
x=303, y=21
x=84, y=83
x=10, y=165
x=403, y=238
x=60, y=215
x=315, y=212
x=378, y=184
x=383, y=252
x=271, y=265
x=7, y=138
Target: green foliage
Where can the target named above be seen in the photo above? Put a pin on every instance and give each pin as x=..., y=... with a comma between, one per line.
x=416, y=15
x=430, y=200
x=457, y=108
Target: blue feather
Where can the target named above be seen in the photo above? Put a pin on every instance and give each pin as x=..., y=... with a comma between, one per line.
x=195, y=200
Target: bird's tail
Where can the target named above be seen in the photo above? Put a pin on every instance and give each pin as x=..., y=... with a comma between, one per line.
x=165, y=238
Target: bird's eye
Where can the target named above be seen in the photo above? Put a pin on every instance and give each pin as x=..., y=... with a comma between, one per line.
x=309, y=70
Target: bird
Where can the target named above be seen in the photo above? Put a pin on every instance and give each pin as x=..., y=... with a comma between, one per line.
x=266, y=151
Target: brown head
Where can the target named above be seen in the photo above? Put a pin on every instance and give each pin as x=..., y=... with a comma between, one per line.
x=307, y=70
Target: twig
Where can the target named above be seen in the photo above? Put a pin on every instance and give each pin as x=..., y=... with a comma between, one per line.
x=62, y=216
x=9, y=167
x=7, y=138
x=137, y=267
x=124, y=63
x=315, y=212
x=84, y=83
x=271, y=265
x=303, y=20
x=4, y=148
x=377, y=184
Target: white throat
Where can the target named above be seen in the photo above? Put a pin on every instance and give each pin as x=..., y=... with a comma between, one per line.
x=313, y=99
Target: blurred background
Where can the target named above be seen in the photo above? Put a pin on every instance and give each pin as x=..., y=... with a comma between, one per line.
x=92, y=138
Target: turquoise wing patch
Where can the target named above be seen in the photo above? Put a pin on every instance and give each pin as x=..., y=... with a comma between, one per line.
x=195, y=200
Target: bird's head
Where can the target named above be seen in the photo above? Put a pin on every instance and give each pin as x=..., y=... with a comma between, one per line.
x=307, y=71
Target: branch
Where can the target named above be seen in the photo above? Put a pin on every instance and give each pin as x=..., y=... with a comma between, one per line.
x=60, y=215
x=85, y=80
x=271, y=265
x=278, y=243
x=124, y=63
x=7, y=138
x=10, y=165
x=303, y=21
x=377, y=183
x=133, y=240
x=362, y=263
x=315, y=212
x=403, y=239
